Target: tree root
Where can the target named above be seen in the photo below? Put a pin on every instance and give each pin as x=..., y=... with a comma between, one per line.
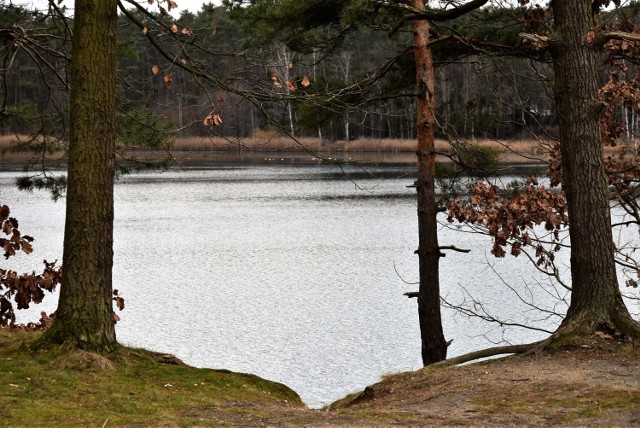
x=489, y=352
x=574, y=331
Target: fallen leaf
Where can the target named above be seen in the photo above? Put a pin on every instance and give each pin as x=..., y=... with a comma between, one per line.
x=603, y=335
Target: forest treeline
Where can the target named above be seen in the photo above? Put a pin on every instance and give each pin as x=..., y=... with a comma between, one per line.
x=478, y=96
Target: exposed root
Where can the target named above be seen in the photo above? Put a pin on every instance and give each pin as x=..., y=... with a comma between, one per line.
x=626, y=325
x=486, y=353
x=88, y=360
x=166, y=358
x=574, y=332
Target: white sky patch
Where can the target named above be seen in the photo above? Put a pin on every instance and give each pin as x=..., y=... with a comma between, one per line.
x=190, y=5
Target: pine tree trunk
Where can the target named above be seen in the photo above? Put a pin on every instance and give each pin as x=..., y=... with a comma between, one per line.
x=434, y=347
x=595, y=298
x=85, y=316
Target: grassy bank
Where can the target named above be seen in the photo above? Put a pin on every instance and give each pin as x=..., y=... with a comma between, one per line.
x=128, y=387
x=596, y=384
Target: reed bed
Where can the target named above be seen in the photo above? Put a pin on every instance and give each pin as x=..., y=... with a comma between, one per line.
x=514, y=151
x=278, y=143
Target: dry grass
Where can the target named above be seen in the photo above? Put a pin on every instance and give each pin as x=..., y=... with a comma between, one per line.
x=595, y=384
x=513, y=151
x=7, y=141
x=21, y=140
x=275, y=141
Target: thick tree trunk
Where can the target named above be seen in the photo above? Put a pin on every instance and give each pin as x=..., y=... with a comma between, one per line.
x=595, y=298
x=85, y=316
x=434, y=347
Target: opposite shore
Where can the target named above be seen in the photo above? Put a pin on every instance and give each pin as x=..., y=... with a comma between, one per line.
x=212, y=151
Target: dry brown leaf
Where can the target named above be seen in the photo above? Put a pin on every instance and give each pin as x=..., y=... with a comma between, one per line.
x=26, y=247
x=305, y=81
x=119, y=302
x=213, y=119
x=145, y=31
x=155, y=70
x=291, y=85
x=168, y=79
x=187, y=31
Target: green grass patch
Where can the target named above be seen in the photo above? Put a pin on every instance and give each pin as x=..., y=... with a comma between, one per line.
x=559, y=403
x=59, y=387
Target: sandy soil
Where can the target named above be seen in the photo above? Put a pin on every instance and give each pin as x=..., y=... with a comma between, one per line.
x=593, y=385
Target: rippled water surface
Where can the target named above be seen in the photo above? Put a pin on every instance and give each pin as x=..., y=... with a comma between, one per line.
x=295, y=274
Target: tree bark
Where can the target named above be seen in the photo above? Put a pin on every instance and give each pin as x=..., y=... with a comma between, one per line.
x=434, y=347
x=85, y=316
x=595, y=298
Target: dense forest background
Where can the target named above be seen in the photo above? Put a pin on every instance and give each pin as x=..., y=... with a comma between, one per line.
x=478, y=96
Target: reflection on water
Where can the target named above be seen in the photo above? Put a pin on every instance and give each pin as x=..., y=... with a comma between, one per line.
x=296, y=274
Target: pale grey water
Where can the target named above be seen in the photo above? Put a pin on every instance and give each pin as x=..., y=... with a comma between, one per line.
x=287, y=272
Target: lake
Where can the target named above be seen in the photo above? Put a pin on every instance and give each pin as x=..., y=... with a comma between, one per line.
x=293, y=273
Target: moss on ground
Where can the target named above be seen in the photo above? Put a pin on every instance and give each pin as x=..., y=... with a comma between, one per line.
x=594, y=384
x=56, y=387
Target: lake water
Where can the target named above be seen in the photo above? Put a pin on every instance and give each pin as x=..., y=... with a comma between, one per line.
x=293, y=273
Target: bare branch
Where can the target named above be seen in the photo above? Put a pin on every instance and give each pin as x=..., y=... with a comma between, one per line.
x=454, y=248
x=440, y=15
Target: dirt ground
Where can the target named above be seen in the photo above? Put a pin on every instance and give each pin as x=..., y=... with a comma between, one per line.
x=592, y=385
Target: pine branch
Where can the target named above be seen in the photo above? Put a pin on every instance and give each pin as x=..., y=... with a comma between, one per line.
x=441, y=15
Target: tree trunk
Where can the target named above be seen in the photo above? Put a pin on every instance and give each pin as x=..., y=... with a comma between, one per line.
x=85, y=316
x=595, y=297
x=434, y=347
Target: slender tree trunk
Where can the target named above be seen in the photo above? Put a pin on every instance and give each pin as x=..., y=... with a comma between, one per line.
x=595, y=297
x=434, y=347
x=85, y=316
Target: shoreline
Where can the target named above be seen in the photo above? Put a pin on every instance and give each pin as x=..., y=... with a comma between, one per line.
x=190, y=159
x=272, y=148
